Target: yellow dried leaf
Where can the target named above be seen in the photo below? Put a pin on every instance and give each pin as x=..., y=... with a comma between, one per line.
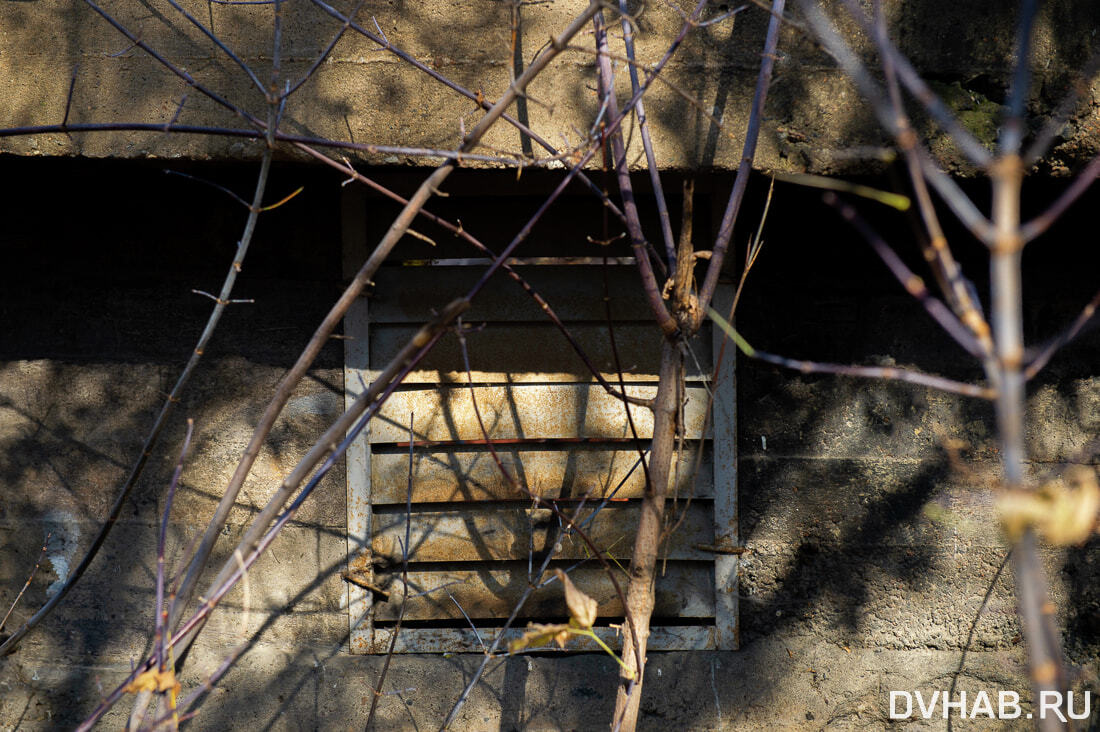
x=539, y=635
x=154, y=680
x=582, y=608
x=1062, y=514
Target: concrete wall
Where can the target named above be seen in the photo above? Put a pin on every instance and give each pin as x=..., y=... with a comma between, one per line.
x=365, y=95
x=869, y=552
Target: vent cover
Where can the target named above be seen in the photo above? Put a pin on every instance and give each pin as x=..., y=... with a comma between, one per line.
x=475, y=541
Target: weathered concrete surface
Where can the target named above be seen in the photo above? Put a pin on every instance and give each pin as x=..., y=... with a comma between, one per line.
x=788, y=685
x=869, y=551
x=815, y=119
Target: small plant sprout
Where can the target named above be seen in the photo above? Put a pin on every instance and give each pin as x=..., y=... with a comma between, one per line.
x=582, y=616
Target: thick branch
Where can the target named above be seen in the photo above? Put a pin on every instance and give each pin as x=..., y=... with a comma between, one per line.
x=1037, y=621
x=643, y=563
x=332, y=320
x=652, y=290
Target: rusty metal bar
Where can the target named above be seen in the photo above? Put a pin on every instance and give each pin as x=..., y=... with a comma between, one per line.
x=519, y=261
x=512, y=441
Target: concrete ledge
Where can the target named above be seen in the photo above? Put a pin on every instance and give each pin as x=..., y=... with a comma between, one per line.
x=815, y=120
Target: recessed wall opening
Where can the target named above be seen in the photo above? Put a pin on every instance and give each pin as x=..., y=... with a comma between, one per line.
x=480, y=550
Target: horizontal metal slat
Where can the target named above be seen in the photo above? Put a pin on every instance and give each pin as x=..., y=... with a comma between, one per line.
x=685, y=590
x=462, y=474
x=465, y=640
x=524, y=410
x=410, y=294
x=474, y=533
x=535, y=352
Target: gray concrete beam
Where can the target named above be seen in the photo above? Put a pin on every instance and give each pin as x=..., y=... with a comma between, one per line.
x=815, y=122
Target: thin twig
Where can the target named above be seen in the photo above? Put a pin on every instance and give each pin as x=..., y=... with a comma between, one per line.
x=751, y=255
x=961, y=137
x=619, y=373
x=879, y=372
x=210, y=183
x=473, y=627
x=184, y=75
x=1081, y=183
x=955, y=287
x=872, y=372
x=647, y=143
x=1012, y=128
x=324, y=54
x=69, y=96
x=1058, y=342
x=30, y=578
x=949, y=191
x=913, y=284
x=276, y=53
x=161, y=655
x=650, y=287
x=173, y=398
x=213, y=37
x=404, y=582
x=748, y=153
x=973, y=627
x=527, y=592
x=261, y=133
x=161, y=615
x=480, y=99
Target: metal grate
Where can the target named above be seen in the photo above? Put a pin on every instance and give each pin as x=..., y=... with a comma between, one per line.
x=474, y=541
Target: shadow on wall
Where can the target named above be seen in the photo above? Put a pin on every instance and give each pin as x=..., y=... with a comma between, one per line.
x=833, y=497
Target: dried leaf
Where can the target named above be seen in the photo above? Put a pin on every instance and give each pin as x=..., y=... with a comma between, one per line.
x=582, y=608
x=154, y=680
x=539, y=635
x=1062, y=514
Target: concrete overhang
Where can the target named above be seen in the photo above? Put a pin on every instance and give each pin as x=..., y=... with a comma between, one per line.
x=816, y=120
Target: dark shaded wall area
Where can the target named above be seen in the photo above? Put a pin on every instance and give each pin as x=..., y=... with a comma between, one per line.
x=870, y=548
